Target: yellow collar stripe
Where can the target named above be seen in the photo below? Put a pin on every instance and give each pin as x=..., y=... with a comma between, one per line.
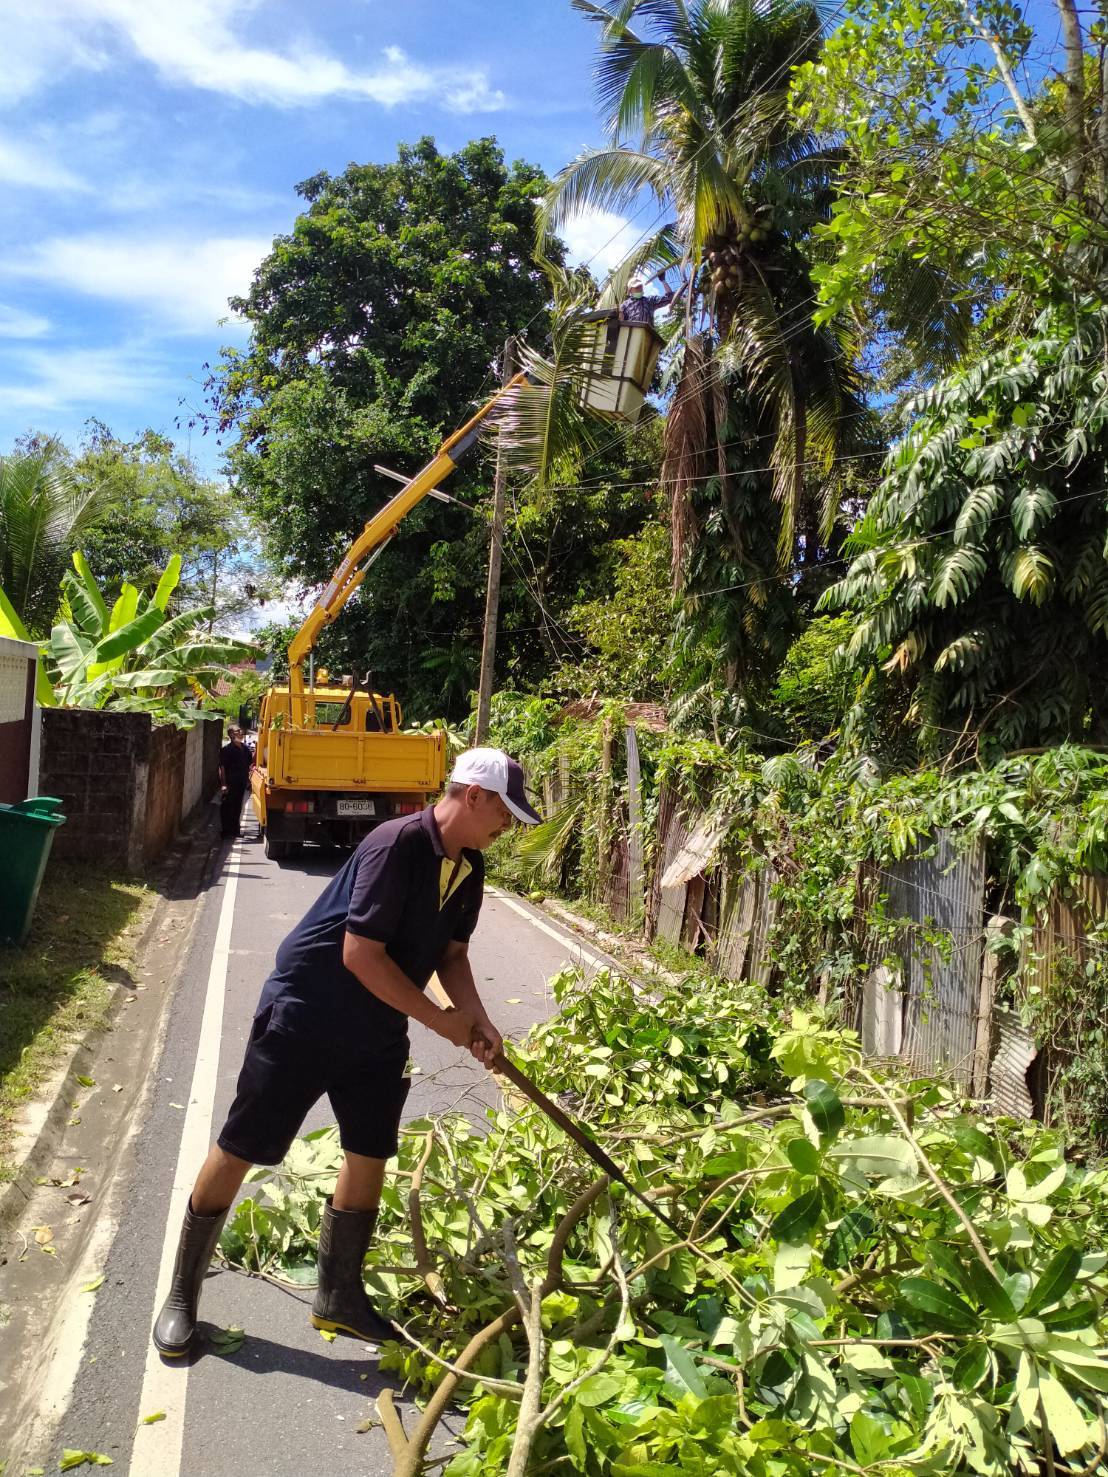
x=451, y=877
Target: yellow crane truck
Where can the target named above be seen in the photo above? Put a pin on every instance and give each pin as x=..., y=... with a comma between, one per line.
x=332, y=760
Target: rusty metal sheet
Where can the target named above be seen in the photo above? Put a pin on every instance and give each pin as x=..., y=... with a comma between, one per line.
x=747, y=911
x=1061, y=927
x=616, y=894
x=669, y=905
x=732, y=941
x=698, y=853
x=1008, y=1071
x=1059, y=945
x=636, y=869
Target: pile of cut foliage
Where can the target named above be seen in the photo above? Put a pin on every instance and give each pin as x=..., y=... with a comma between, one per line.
x=872, y=1277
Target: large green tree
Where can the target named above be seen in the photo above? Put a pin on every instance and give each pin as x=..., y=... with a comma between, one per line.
x=972, y=185
x=376, y=323
x=155, y=503
x=766, y=402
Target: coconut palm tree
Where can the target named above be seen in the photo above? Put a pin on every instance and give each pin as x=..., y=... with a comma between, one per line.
x=42, y=515
x=696, y=96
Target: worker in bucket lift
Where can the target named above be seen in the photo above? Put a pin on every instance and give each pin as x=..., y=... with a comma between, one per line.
x=333, y=1019
x=637, y=307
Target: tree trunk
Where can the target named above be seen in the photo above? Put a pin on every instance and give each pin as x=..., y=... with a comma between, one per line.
x=1005, y=70
x=492, y=596
x=1075, y=96
x=1101, y=149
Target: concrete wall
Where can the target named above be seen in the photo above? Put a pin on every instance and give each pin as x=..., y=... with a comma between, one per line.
x=165, y=787
x=213, y=742
x=192, y=786
x=18, y=727
x=124, y=783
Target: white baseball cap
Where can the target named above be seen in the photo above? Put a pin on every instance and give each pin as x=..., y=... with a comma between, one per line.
x=493, y=770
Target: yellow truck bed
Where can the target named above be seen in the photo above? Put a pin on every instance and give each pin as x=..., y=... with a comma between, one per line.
x=347, y=771
x=317, y=759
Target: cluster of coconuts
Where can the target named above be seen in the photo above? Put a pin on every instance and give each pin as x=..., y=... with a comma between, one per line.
x=724, y=254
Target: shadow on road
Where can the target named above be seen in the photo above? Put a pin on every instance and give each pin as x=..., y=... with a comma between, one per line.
x=262, y=1356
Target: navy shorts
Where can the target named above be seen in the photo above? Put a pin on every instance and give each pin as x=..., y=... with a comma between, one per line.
x=285, y=1073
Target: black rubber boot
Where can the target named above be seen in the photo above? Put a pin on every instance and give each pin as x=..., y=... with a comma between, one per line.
x=342, y=1304
x=176, y=1323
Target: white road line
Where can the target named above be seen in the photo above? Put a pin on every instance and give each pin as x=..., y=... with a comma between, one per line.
x=567, y=939
x=157, y=1449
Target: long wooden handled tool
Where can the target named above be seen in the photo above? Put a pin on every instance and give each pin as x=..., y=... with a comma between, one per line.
x=577, y=1134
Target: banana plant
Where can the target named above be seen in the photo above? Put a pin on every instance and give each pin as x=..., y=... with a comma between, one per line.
x=133, y=656
x=11, y=625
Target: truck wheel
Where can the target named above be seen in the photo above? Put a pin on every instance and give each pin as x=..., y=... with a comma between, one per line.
x=276, y=851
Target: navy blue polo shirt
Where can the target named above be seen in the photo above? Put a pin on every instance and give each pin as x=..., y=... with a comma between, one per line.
x=390, y=890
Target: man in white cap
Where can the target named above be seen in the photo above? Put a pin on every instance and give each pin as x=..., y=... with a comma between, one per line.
x=333, y=1018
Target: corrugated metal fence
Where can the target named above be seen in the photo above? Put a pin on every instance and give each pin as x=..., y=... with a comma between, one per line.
x=928, y=996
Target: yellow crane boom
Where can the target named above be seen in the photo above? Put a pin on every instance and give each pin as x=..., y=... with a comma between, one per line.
x=372, y=539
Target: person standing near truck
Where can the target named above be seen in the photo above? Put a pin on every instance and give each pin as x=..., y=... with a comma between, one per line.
x=235, y=764
x=333, y=1018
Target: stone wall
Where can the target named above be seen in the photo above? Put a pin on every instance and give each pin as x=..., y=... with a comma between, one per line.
x=18, y=720
x=122, y=782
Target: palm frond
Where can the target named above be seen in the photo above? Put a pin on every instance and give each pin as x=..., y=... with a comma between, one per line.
x=543, y=429
x=601, y=179
x=543, y=851
x=758, y=351
x=921, y=303
x=662, y=248
x=42, y=513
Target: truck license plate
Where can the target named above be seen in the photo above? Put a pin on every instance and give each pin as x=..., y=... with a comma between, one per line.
x=357, y=806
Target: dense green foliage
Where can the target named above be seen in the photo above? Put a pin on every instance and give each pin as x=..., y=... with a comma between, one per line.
x=628, y=630
x=44, y=512
x=867, y=1271
x=818, y=696
x=154, y=504
x=967, y=186
x=134, y=655
x=980, y=563
x=376, y=324
x=812, y=827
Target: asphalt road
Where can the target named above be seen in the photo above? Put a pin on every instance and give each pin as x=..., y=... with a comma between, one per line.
x=288, y=1402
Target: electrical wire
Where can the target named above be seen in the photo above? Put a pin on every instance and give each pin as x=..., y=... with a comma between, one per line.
x=912, y=543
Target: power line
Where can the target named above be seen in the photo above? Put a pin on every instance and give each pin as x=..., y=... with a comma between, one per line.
x=911, y=543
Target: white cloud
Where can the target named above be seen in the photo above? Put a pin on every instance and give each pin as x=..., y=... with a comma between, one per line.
x=40, y=43
x=49, y=381
x=599, y=238
x=143, y=194
x=15, y=323
x=183, y=283
x=24, y=165
x=196, y=43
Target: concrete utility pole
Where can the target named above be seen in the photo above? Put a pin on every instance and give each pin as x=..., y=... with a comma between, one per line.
x=492, y=597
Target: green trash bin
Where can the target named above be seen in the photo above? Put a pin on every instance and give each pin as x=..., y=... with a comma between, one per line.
x=26, y=836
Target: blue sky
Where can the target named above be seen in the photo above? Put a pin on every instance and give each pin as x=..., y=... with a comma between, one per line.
x=150, y=149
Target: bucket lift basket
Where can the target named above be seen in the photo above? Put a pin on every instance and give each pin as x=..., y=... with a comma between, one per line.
x=620, y=362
